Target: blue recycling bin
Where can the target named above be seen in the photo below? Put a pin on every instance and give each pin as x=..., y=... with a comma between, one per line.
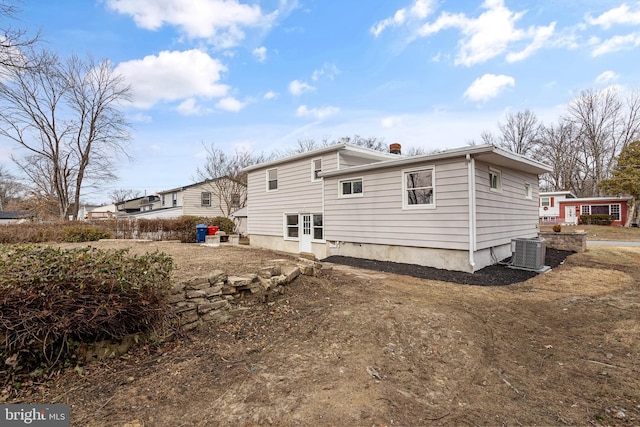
x=201, y=233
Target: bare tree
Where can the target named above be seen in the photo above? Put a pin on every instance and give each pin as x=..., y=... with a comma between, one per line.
x=520, y=132
x=14, y=40
x=557, y=148
x=66, y=116
x=605, y=125
x=11, y=190
x=226, y=177
x=120, y=195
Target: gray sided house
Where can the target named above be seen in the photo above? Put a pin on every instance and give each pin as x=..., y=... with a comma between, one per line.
x=456, y=209
x=210, y=198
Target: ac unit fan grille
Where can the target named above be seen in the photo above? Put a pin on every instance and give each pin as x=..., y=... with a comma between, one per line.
x=528, y=253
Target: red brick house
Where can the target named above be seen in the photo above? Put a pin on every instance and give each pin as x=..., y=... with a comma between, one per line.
x=571, y=209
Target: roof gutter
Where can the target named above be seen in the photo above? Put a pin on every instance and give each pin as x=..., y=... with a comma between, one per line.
x=471, y=170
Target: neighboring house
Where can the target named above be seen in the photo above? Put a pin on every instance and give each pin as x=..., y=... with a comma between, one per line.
x=456, y=209
x=11, y=217
x=240, y=219
x=199, y=199
x=563, y=207
x=617, y=207
x=549, y=206
x=102, y=212
x=83, y=211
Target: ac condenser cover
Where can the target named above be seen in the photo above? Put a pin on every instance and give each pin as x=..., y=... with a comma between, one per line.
x=528, y=254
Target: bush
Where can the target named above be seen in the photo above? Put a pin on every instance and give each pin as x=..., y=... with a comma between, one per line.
x=227, y=225
x=596, y=219
x=52, y=299
x=84, y=233
x=35, y=232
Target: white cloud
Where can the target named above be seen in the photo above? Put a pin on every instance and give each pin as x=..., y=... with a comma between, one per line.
x=606, y=77
x=388, y=122
x=221, y=22
x=419, y=9
x=260, y=53
x=172, y=76
x=490, y=34
x=296, y=87
x=488, y=86
x=189, y=107
x=230, y=104
x=317, y=113
x=617, y=43
x=328, y=70
x=141, y=118
x=618, y=15
x=540, y=36
x=271, y=95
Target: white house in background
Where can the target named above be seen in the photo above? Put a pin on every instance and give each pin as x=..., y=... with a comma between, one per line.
x=456, y=209
x=14, y=217
x=200, y=199
x=101, y=212
x=549, y=206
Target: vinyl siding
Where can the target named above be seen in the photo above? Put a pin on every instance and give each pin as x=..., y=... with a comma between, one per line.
x=378, y=216
x=296, y=193
x=501, y=216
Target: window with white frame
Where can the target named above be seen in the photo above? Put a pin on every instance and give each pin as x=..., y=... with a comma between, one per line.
x=495, y=179
x=163, y=200
x=205, y=199
x=272, y=179
x=316, y=168
x=419, y=188
x=351, y=187
x=174, y=199
x=585, y=210
x=528, y=192
x=235, y=200
x=614, y=211
x=545, y=202
x=318, y=227
x=291, y=224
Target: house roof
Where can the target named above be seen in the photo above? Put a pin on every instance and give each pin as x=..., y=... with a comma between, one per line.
x=596, y=199
x=240, y=213
x=184, y=187
x=361, y=152
x=569, y=194
x=486, y=153
x=13, y=214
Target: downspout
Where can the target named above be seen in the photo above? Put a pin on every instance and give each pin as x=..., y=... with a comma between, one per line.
x=471, y=167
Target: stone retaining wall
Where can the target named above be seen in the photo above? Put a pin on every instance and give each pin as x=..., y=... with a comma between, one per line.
x=565, y=240
x=215, y=297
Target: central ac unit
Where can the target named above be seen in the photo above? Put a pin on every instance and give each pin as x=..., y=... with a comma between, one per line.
x=528, y=254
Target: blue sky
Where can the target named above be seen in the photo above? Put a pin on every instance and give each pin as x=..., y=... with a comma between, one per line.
x=260, y=75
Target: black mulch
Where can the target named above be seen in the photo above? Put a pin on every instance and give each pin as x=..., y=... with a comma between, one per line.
x=494, y=275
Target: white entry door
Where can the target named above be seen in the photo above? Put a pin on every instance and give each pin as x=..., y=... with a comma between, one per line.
x=305, y=235
x=570, y=215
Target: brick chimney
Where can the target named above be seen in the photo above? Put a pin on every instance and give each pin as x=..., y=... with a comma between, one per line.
x=395, y=148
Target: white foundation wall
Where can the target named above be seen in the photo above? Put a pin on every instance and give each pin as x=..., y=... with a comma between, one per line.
x=277, y=243
x=430, y=257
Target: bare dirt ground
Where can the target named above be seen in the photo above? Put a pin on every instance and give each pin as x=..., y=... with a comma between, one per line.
x=360, y=347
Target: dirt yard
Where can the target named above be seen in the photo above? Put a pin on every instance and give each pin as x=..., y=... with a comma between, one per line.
x=365, y=348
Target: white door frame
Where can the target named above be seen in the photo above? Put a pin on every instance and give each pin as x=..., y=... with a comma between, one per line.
x=306, y=232
x=570, y=216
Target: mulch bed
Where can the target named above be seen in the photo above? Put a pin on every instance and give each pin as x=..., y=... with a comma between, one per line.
x=494, y=275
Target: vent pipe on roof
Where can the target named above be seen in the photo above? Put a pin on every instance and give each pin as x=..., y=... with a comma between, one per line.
x=395, y=148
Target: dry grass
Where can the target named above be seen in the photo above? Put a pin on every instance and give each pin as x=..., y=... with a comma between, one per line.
x=602, y=232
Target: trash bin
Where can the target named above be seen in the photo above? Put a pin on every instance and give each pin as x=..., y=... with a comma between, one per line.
x=201, y=233
x=212, y=230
